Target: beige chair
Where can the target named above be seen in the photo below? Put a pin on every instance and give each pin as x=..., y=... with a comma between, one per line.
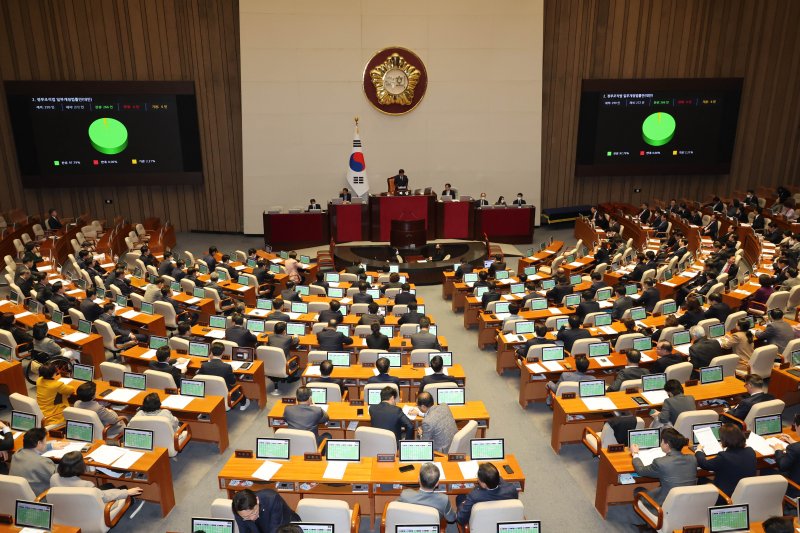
x=406, y=330
x=392, y=292
x=581, y=346
x=75, y=315
x=680, y=371
x=685, y=420
x=99, y=431
x=216, y=386
x=315, y=357
x=630, y=384
x=159, y=380
x=166, y=310
x=486, y=515
x=460, y=443
x=334, y=393
x=707, y=323
x=163, y=436
x=625, y=342
x=776, y=300
x=771, y=407
x=187, y=285
x=14, y=488
x=301, y=442
x=359, y=309
x=176, y=343
x=275, y=364
x=379, y=386
x=336, y=512
x=316, y=307
x=668, y=333
x=112, y=371
x=727, y=362
x=7, y=338
x=27, y=404
x=397, y=513
x=433, y=388
x=369, y=356
x=509, y=324
x=535, y=351
x=420, y=355
x=362, y=330
x=794, y=300
x=103, y=328
x=399, y=310
x=567, y=387
x=761, y=362
x=792, y=346
x=683, y=506
x=189, y=258
x=375, y=441
x=84, y=508
x=594, y=442
x=315, y=328
x=764, y=494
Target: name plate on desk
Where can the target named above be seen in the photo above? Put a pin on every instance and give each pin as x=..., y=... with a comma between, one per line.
x=614, y=448
x=632, y=390
x=568, y=396
x=289, y=400
x=56, y=433
x=243, y=454
x=115, y=383
x=456, y=457
x=784, y=366
x=534, y=360
x=385, y=457
x=356, y=403
x=420, y=365
x=691, y=382
x=172, y=391
x=312, y=457
x=368, y=365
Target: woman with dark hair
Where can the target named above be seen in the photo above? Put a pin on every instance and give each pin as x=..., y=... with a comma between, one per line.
x=20, y=335
x=70, y=470
x=693, y=315
x=670, y=322
x=761, y=296
x=151, y=406
x=52, y=394
x=675, y=469
x=731, y=465
x=501, y=201
x=43, y=343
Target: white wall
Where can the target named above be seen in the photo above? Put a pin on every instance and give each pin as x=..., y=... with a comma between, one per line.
x=478, y=127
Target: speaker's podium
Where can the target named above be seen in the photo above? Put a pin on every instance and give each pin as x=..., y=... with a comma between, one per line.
x=408, y=233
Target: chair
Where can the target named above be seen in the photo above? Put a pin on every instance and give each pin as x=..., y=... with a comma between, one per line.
x=668, y=333
x=630, y=384
x=112, y=371
x=316, y=327
x=75, y=315
x=375, y=441
x=163, y=436
x=776, y=300
x=433, y=388
x=791, y=346
x=594, y=442
x=392, y=292
x=359, y=309
x=229, y=346
x=7, y=338
x=771, y=407
x=508, y=326
x=625, y=342
x=486, y=515
x=334, y=391
x=551, y=321
x=109, y=338
x=685, y=420
x=420, y=355
x=316, y=307
x=275, y=364
x=727, y=362
x=216, y=386
x=166, y=310
x=535, y=351
x=764, y=494
x=379, y=386
x=315, y=357
x=84, y=508
x=176, y=343
x=567, y=386
x=90, y=417
x=733, y=318
x=794, y=300
x=300, y=441
x=590, y=318
x=460, y=443
x=397, y=513
x=680, y=371
x=761, y=361
x=406, y=330
x=187, y=286
x=369, y=356
x=581, y=346
x=362, y=330
x=29, y=405
x=159, y=380
x=683, y=506
x=707, y=323
x=14, y=488
x=336, y=512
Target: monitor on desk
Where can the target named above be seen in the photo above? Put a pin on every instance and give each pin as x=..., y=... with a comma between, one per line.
x=85, y=327
x=638, y=313
x=561, y=323
x=599, y=349
x=711, y=374
x=795, y=357
x=591, y=388
x=517, y=288
x=121, y=300
x=714, y=426
x=373, y=396
x=242, y=353
x=501, y=274
x=199, y=349
x=343, y=450
x=716, y=330
x=681, y=337
x=501, y=307
x=645, y=438
x=255, y=326
x=83, y=372
x=213, y=525
x=199, y=292
x=530, y=271
x=375, y=293
x=642, y=343
x=332, y=277
x=631, y=289
x=251, y=263
x=487, y=449
x=202, y=268
x=548, y=284
x=22, y=421
x=223, y=274
x=264, y=303
x=33, y=514
x=283, y=254
x=487, y=263
x=572, y=300
x=139, y=439
x=305, y=260
x=525, y=526
x=387, y=330
x=480, y=291
x=217, y=322
x=133, y=380
x=447, y=357
x=344, y=329
x=272, y=448
x=175, y=286
x=421, y=309
x=729, y=518
x=553, y=353
x=14, y=297
x=569, y=258
x=451, y=396
x=339, y=358
x=157, y=342
x=57, y=317
x=575, y=279
x=79, y=431
x=243, y=280
x=394, y=268
x=651, y=382
x=603, y=319
x=101, y=293
x=603, y=294
x=470, y=277
x=314, y=527
x=147, y=308
x=538, y=304
x=768, y=425
x=6, y=352
x=522, y=327
x=669, y=308
x=335, y=292
x=416, y=451
x=427, y=528
x=302, y=290
x=319, y=395
x=296, y=328
x=275, y=269
x=194, y=388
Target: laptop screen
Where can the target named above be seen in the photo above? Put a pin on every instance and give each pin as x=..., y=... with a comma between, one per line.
x=716, y=330
x=642, y=344
x=57, y=316
x=714, y=429
x=85, y=327
x=199, y=349
x=416, y=450
x=553, y=353
x=387, y=330
x=480, y=291
x=5, y=351
x=527, y=526
x=213, y=525
x=122, y=300
x=264, y=303
x=332, y=277
x=336, y=292
x=272, y=449
x=470, y=277
x=255, y=326
x=243, y=280
x=572, y=300
x=339, y=358
x=631, y=289
x=768, y=425
x=309, y=527
x=575, y=279
x=140, y=439
x=602, y=294
x=22, y=421
x=275, y=269
x=83, y=372
x=638, y=313
x=132, y=380
x=538, y=304
x=147, y=308
x=191, y=387
x=710, y=374
x=198, y=292
x=302, y=290
x=375, y=293
x=344, y=329
x=669, y=308
x=517, y=288
x=33, y=514
x=395, y=358
x=795, y=358
x=524, y=326
x=451, y=396
x=599, y=349
x=81, y=431
x=645, y=438
x=530, y=271
x=603, y=320
x=486, y=449
x=319, y=395
x=729, y=518
x=501, y=307
x=373, y=396
x=299, y=307
x=343, y=450
x=592, y=388
x=548, y=284
x=157, y=342
x=217, y=322
x=447, y=357
x=652, y=382
x=295, y=328
x=680, y=338
x=430, y=528
x=501, y=274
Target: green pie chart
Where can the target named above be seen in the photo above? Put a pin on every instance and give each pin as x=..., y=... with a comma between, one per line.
x=108, y=136
x=658, y=129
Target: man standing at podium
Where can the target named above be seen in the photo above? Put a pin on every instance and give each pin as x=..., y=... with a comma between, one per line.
x=401, y=182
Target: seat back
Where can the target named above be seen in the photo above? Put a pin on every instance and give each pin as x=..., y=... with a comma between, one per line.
x=707, y=323
x=112, y=371
x=581, y=346
x=274, y=361
x=771, y=407
x=215, y=385
x=630, y=384
x=375, y=441
x=334, y=391
x=764, y=494
x=400, y=309
x=362, y=330
x=368, y=356
x=406, y=330
x=176, y=343
x=223, y=508
x=508, y=326
x=379, y=386
x=567, y=386
x=315, y=327
x=685, y=420
x=486, y=515
x=680, y=371
x=315, y=357
x=791, y=346
x=14, y=488
x=163, y=436
x=75, y=315
x=300, y=441
x=103, y=328
x=733, y=318
x=7, y=338
x=727, y=362
x=397, y=513
x=607, y=433
x=359, y=309
x=794, y=299
x=667, y=333
x=432, y=388
x=187, y=285
x=688, y=506
x=317, y=510
x=79, y=507
x=762, y=360
x=27, y=404
x=86, y=416
x=420, y=355
x=159, y=380
x=625, y=342
x=166, y=310
x=460, y=443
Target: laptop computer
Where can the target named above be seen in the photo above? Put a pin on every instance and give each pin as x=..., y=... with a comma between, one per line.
x=217, y=322
x=714, y=426
x=79, y=431
x=199, y=349
x=522, y=327
x=416, y=451
x=139, y=439
x=157, y=342
x=33, y=514
x=603, y=320
x=339, y=358
x=447, y=358
x=487, y=449
x=654, y=382
x=133, y=380
x=553, y=353
x=591, y=388
x=83, y=372
x=729, y=518
x=314, y=527
x=768, y=425
x=642, y=343
x=273, y=448
x=22, y=421
x=599, y=349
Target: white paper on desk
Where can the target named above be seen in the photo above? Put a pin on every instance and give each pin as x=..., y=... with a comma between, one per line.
x=441, y=470
x=16, y=434
x=335, y=470
x=655, y=396
x=689, y=274
x=107, y=265
x=536, y=368
x=46, y=268
x=242, y=288
x=267, y=470
x=505, y=281
x=313, y=370
x=74, y=291
x=668, y=283
x=235, y=365
x=352, y=425
x=182, y=364
x=239, y=267
x=555, y=311
x=32, y=530
x=192, y=300
x=71, y=447
x=407, y=409
x=759, y=444
x=294, y=316
x=600, y=403
x=469, y=469
x=23, y=314
x=576, y=264
x=121, y=395
x=128, y=459
x=741, y=291
x=277, y=260
x=109, y=473
x=133, y=313
x=683, y=348
x=429, y=371
x=345, y=300
x=216, y=334
x=605, y=304
x=176, y=401
x=502, y=316
x=106, y=455
x=323, y=406
x=552, y=366
x=604, y=361
x=651, y=454
x=705, y=437
x=511, y=337
x=508, y=297
x=608, y=330
x=535, y=277
x=149, y=354
x=75, y=337
x=645, y=358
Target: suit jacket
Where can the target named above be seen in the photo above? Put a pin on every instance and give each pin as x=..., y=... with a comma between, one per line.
x=629, y=372
x=424, y=339
x=674, y=406
x=211, y=262
x=291, y=295
x=387, y=416
x=284, y=342
x=703, y=351
x=27, y=463
x=305, y=417
x=278, y=315
x=412, y=317
x=272, y=514
x=165, y=268
x=368, y=318
x=638, y=270
x=620, y=306
x=332, y=340
x=649, y=299
x=439, y=426
x=405, y=298
x=503, y=491
x=490, y=296
x=718, y=310
x=523, y=350
x=584, y=308
x=464, y=269
x=326, y=315
x=519, y=201
x=662, y=363
x=435, y=378
x=789, y=465
x=568, y=336
x=778, y=333
x=729, y=466
x=384, y=378
x=313, y=206
x=401, y=181
x=377, y=342
x=112, y=321
x=172, y=370
x=362, y=298
x=690, y=318
x=743, y=409
x=557, y=293
x=437, y=500
x=241, y=336
x=346, y=196
x=674, y=470
x=216, y=367
x=90, y=310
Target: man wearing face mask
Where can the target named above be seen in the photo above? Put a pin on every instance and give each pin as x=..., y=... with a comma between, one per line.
x=482, y=201
x=519, y=201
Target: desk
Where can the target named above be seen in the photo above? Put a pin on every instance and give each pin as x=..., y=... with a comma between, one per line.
x=214, y=429
x=545, y=256
x=384, y=209
x=349, y=222
x=153, y=324
x=309, y=342
x=567, y=429
x=12, y=378
x=506, y=224
x=784, y=386
x=455, y=220
x=489, y=324
x=296, y=230
x=5, y=528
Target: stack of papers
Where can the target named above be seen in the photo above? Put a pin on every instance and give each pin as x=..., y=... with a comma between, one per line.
x=706, y=438
x=604, y=361
x=121, y=395
x=130, y=315
x=335, y=470
x=22, y=314
x=552, y=366
x=655, y=396
x=149, y=354
x=536, y=368
x=469, y=469
x=294, y=316
x=760, y=444
x=235, y=365
x=71, y=447
x=128, y=459
x=65, y=381
x=106, y=455
x=176, y=401
x=576, y=264
x=51, y=325
x=601, y=403
x=193, y=300
x=513, y=337
x=555, y=311
x=407, y=409
x=267, y=470
x=313, y=370
x=216, y=334
x=683, y=348
x=75, y=337
x=646, y=358
x=608, y=330
x=649, y=455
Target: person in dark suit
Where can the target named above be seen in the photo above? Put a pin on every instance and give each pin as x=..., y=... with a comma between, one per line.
x=598, y=219
x=125, y=335
x=758, y=222
x=305, y=415
x=289, y=294
x=277, y=311
x=788, y=459
x=570, y=334
x=117, y=278
x=437, y=254
x=666, y=357
x=644, y=214
x=519, y=200
x=703, y=350
x=147, y=257
x=412, y=317
x=562, y=288
x=332, y=313
x=693, y=313
x=602, y=255
x=676, y=403
x=717, y=308
x=777, y=332
x=166, y=265
x=463, y=268
x=735, y=462
x=331, y=340
x=539, y=330
x=756, y=393
x=448, y=191
x=492, y=295
x=587, y=305
x=497, y=264
x=52, y=220
x=424, y=338
x=650, y=295
x=491, y=487
x=163, y=363
x=371, y=315
x=386, y=415
x=216, y=367
x=325, y=371
x=631, y=371
x=640, y=268
x=177, y=271
x=61, y=299
x=280, y=339
x=401, y=181
x=377, y=340
x=239, y=334
x=345, y=195
x=24, y=280
x=312, y=204
x=361, y=297
x=404, y=297
x=261, y=512
x=730, y=268
x=597, y=283
x=662, y=224
x=438, y=376
x=712, y=229
x=382, y=365
x=210, y=258
x=676, y=469
x=393, y=283
x=225, y=264
x=482, y=201
x=621, y=304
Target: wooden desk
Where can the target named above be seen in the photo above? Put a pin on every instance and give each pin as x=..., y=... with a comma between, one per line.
x=506, y=224
x=5, y=528
x=489, y=327
x=384, y=209
x=213, y=429
x=545, y=256
x=205, y=307
x=309, y=343
x=252, y=380
x=12, y=378
x=567, y=429
x=785, y=386
x=152, y=324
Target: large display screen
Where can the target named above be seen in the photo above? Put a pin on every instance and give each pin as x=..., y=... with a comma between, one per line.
x=666, y=126
x=72, y=134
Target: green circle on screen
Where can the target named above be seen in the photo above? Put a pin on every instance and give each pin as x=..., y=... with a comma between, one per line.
x=658, y=129
x=108, y=136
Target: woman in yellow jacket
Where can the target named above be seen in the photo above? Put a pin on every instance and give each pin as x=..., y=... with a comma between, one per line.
x=740, y=342
x=51, y=395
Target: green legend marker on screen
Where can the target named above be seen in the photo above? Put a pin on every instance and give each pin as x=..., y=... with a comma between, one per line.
x=658, y=129
x=108, y=136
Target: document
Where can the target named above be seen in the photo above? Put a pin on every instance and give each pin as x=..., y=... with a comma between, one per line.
x=313, y=370
x=555, y=311
x=216, y=334
x=122, y=395
x=577, y=264
x=407, y=409
x=71, y=447
x=335, y=470
x=267, y=470
x=536, y=368
x=760, y=444
x=604, y=361
x=149, y=354
x=193, y=300
x=51, y=325
x=469, y=469
x=128, y=459
x=608, y=330
x=65, y=381
x=600, y=403
x=130, y=315
x=552, y=366
x=706, y=438
x=109, y=473
x=655, y=396
x=683, y=348
x=645, y=358
x=648, y=456
x=235, y=365
x=22, y=314
x=176, y=401
x=441, y=470
x=75, y=337
x=106, y=455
